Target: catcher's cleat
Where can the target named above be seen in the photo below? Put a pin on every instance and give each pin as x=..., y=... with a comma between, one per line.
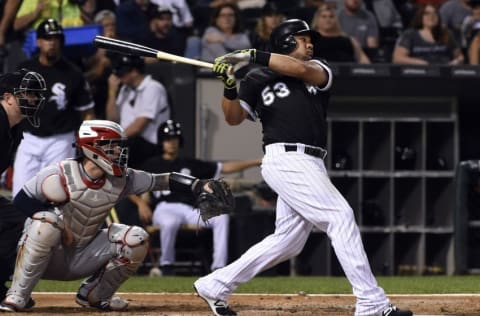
x=218, y=307
x=13, y=308
x=114, y=304
x=392, y=310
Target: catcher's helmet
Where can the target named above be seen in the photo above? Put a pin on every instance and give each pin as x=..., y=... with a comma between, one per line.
x=104, y=142
x=169, y=129
x=282, y=40
x=50, y=28
x=28, y=87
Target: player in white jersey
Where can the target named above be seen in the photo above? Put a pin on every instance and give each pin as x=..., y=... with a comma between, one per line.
x=67, y=204
x=289, y=95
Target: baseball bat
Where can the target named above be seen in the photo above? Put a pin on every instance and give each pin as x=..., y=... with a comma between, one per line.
x=144, y=51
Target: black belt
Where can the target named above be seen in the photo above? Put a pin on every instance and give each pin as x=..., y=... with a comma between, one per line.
x=316, y=152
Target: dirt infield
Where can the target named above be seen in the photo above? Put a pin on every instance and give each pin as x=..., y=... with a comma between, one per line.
x=253, y=305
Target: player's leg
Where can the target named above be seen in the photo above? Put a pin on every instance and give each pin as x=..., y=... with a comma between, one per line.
x=27, y=161
x=169, y=217
x=127, y=248
x=42, y=233
x=289, y=238
x=11, y=226
x=220, y=229
x=314, y=197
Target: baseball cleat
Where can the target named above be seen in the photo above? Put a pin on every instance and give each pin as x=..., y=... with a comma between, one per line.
x=13, y=308
x=218, y=307
x=114, y=304
x=392, y=310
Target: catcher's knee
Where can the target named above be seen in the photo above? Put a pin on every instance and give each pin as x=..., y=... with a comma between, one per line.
x=45, y=228
x=131, y=243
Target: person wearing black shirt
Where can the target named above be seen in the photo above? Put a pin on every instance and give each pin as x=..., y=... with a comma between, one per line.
x=22, y=97
x=68, y=102
x=290, y=96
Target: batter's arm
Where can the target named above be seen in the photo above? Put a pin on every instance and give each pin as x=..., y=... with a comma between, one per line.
x=308, y=71
x=233, y=112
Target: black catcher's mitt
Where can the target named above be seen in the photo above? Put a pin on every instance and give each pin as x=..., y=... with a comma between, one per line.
x=216, y=200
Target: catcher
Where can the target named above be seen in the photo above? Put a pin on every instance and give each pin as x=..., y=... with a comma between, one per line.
x=67, y=204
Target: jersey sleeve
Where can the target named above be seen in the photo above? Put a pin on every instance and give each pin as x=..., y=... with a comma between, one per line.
x=138, y=182
x=248, y=93
x=83, y=95
x=328, y=70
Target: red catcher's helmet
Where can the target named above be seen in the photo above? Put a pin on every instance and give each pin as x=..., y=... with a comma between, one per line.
x=282, y=39
x=104, y=142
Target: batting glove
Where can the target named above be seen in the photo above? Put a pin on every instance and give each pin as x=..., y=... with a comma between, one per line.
x=224, y=73
x=244, y=56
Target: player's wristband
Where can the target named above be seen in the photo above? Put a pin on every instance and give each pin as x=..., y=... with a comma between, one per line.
x=262, y=58
x=230, y=93
x=179, y=182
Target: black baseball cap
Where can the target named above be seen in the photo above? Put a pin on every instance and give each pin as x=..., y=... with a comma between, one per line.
x=10, y=81
x=124, y=63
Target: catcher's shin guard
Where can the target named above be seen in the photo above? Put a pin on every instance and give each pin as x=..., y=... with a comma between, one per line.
x=130, y=243
x=42, y=232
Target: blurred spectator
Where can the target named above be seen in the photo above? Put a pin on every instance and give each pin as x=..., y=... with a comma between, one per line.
x=332, y=44
x=33, y=12
x=427, y=42
x=90, y=8
x=359, y=23
x=385, y=12
x=98, y=66
x=181, y=16
x=470, y=23
x=452, y=14
x=224, y=34
x=270, y=17
x=8, y=11
x=139, y=103
x=472, y=36
x=406, y=9
x=163, y=34
x=132, y=20
x=68, y=102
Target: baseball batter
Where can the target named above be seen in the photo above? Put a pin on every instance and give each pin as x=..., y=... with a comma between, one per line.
x=289, y=95
x=67, y=204
x=68, y=102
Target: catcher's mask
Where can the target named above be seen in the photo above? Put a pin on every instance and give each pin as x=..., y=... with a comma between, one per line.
x=28, y=87
x=282, y=39
x=104, y=142
x=169, y=129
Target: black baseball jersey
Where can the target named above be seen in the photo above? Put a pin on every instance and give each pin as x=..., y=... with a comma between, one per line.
x=9, y=140
x=67, y=95
x=290, y=110
x=189, y=166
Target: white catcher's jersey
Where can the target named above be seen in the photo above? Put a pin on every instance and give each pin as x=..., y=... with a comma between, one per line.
x=86, y=204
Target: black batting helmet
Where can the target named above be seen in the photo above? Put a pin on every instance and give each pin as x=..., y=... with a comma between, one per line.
x=169, y=129
x=50, y=28
x=282, y=40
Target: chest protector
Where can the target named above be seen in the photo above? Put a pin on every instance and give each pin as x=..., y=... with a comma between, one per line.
x=88, y=207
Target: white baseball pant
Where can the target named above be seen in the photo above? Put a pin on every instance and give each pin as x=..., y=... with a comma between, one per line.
x=306, y=198
x=170, y=216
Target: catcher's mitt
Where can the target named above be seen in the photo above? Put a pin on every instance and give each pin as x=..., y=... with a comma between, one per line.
x=215, y=200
